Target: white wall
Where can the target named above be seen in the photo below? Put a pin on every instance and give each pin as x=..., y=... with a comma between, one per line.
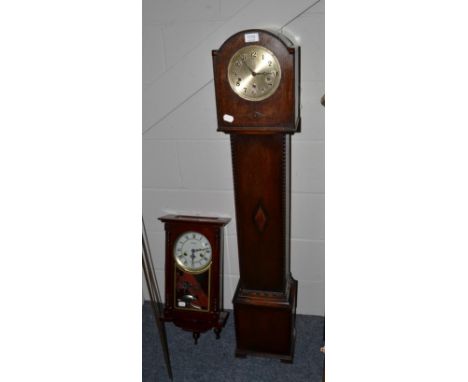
x=187, y=164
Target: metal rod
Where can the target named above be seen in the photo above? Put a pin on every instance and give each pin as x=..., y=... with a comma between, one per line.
x=153, y=289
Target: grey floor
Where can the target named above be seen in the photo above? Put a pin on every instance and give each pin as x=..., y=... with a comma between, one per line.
x=213, y=360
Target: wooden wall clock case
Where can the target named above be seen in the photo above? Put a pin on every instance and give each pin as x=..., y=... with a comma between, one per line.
x=194, y=273
x=260, y=119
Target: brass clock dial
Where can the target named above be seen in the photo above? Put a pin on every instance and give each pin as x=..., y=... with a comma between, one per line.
x=192, y=252
x=254, y=73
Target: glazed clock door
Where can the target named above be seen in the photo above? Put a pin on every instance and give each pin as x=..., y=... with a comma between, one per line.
x=192, y=255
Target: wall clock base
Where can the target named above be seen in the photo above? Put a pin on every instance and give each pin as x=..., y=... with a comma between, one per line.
x=195, y=326
x=265, y=323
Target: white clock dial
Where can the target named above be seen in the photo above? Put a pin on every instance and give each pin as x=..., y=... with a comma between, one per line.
x=192, y=251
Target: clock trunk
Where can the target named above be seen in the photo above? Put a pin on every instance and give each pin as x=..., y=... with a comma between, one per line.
x=261, y=167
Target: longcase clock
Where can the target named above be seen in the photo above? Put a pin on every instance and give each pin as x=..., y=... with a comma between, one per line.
x=194, y=273
x=256, y=77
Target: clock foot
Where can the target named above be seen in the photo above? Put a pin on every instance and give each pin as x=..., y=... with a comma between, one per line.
x=240, y=354
x=217, y=332
x=196, y=336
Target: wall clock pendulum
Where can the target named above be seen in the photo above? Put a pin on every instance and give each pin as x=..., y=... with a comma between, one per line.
x=256, y=77
x=194, y=273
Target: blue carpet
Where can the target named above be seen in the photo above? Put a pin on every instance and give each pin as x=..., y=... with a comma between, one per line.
x=213, y=360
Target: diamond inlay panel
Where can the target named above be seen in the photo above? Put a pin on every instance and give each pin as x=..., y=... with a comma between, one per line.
x=260, y=218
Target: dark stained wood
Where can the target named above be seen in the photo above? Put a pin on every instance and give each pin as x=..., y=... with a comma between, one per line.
x=266, y=327
x=260, y=166
x=192, y=320
x=266, y=296
x=278, y=113
x=220, y=221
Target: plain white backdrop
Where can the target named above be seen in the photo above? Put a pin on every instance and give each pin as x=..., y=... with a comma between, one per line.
x=396, y=205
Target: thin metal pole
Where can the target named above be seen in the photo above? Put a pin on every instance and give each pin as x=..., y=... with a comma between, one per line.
x=153, y=289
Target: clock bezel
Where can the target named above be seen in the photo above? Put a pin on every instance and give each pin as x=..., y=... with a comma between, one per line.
x=277, y=82
x=184, y=267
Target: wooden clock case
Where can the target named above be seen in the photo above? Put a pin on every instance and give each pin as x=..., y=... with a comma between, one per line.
x=260, y=134
x=278, y=113
x=209, y=283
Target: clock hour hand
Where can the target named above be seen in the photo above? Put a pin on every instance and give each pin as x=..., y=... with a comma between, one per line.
x=248, y=67
x=193, y=256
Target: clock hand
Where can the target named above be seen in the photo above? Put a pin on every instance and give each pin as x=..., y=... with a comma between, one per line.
x=193, y=256
x=248, y=67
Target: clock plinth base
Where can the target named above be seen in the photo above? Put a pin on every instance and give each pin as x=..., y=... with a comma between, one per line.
x=265, y=323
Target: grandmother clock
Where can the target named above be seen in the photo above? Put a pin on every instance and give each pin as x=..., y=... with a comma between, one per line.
x=256, y=77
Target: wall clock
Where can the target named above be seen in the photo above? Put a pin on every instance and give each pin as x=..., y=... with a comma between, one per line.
x=194, y=273
x=256, y=77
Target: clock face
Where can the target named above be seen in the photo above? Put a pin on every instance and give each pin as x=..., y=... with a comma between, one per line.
x=192, y=251
x=254, y=73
